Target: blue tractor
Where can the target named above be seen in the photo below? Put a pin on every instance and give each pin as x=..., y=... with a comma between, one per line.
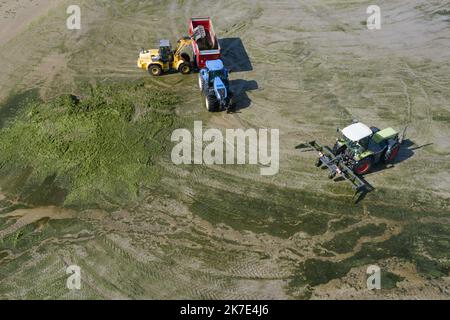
x=215, y=86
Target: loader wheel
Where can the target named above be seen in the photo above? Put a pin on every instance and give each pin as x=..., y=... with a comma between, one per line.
x=184, y=68
x=155, y=70
x=332, y=175
x=363, y=166
x=211, y=103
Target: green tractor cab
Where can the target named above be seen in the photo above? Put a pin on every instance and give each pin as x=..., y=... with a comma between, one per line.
x=357, y=150
x=361, y=147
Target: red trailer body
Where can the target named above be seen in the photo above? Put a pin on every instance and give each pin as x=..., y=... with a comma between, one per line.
x=207, y=48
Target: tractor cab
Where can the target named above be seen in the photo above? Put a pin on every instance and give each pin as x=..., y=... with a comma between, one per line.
x=215, y=69
x=355, y=137
x=215, y=85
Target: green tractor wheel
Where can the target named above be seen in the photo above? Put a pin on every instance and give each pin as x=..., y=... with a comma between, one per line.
x=338, y=148
x=363, y=166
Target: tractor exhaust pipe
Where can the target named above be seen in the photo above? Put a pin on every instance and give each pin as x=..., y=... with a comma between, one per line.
x=403, y=135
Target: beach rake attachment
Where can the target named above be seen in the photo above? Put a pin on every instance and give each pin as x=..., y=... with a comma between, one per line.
x=337, y=167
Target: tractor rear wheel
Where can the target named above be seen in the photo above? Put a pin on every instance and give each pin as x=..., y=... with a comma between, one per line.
x=391, y=154
x=363, y=166
x=184, y=68
x=155, y=70
x=211, y=103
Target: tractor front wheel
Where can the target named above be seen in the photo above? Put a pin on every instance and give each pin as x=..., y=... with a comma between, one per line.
x=155, y=70
x=338, y=149
x=363, y=166
x=184, y=68
x=211, y=103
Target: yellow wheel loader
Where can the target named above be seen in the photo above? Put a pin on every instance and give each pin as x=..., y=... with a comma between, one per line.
x=164, y=59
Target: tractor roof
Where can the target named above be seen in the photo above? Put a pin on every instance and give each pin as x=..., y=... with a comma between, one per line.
x=214, y=65
x=356, y=131
x=164, y=43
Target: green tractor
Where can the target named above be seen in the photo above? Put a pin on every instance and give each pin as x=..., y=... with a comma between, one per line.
x=357, y=150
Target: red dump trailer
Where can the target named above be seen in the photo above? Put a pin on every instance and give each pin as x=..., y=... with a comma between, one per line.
x=205, y=45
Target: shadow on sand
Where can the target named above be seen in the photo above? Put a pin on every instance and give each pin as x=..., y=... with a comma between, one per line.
x=234, y=55
x=236, y=59
x=240, y=88
x=406, y=151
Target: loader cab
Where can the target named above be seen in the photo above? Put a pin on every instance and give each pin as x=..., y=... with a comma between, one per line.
x=165, y=51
